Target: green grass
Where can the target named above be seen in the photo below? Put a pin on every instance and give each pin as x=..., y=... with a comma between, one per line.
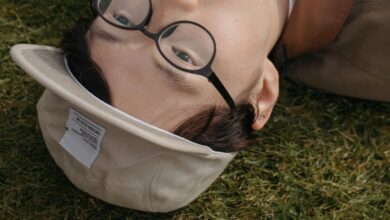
x=321, y=156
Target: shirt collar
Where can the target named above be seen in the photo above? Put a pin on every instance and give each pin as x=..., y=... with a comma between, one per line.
x=291, y=4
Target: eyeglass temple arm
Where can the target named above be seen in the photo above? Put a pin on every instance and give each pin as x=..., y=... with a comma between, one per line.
x=221, y=89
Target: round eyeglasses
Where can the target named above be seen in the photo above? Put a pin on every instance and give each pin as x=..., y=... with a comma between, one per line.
x=186, y=45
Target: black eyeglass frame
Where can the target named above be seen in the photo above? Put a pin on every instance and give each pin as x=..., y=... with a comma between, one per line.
x=205, y=71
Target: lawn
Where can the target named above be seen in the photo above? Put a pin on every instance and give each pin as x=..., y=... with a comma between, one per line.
x=321, y=156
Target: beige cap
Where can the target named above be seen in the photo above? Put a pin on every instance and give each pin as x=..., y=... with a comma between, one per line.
x=109, y=154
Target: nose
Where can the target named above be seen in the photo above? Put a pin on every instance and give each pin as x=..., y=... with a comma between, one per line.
x=168, y=11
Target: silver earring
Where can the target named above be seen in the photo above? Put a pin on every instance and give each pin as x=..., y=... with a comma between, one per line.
x=260, y=115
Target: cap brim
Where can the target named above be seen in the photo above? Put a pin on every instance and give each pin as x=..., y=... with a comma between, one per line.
x=47, y=66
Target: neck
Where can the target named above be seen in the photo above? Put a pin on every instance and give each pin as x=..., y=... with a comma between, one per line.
x=283, y=7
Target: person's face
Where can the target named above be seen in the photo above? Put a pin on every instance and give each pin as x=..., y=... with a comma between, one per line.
x=147, y=87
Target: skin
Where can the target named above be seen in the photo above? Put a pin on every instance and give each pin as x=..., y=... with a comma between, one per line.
x=245, y=31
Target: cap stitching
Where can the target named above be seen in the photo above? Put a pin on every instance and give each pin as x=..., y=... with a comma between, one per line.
x=149, y=189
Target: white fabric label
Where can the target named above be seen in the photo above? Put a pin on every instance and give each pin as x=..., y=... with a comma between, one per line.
x=82, y=138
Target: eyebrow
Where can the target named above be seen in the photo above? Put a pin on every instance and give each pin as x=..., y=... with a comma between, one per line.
x=178, y=78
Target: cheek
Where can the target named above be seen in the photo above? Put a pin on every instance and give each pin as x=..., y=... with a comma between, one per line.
x=243, y=37
x=139, y=89
x=238, y=60
x=242, y=45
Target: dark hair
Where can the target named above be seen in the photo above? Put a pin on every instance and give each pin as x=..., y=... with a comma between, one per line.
x=278, y=56
x=86, y=71
x=222, y=129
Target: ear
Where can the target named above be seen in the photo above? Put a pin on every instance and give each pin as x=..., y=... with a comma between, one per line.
x=267, y=96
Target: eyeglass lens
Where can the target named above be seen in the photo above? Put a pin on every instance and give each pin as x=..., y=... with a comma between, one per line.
x=185, y=45
x=125, y=13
